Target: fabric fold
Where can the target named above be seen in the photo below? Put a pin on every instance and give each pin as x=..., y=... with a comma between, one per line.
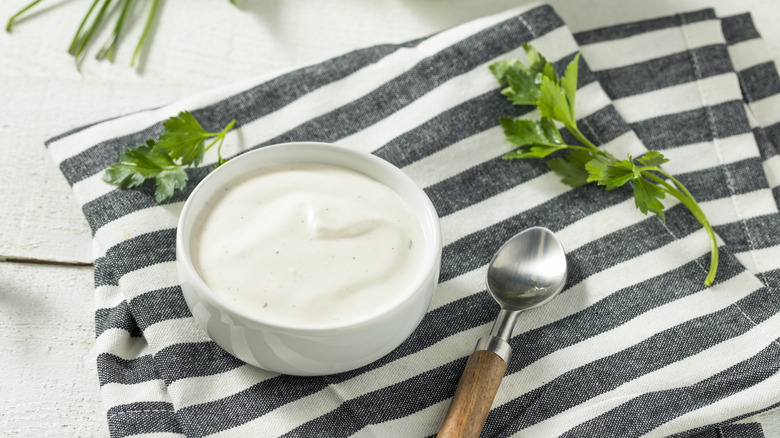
x=634, y=346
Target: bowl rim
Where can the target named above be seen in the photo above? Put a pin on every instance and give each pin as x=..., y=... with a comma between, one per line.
x=185, y=259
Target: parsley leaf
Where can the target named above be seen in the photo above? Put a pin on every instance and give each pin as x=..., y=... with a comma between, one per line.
x=553, y=102
x=572, y=167
x=537, y=62
x=184, y=138
x=653, y=159
x=617, y=174
x=136, y=165
x=647, y=195
x=536, y=138
x=597, y=166
x=569, y=84
x=167, y=181
x=520, y=83
x=557, y=97
x=182, y=144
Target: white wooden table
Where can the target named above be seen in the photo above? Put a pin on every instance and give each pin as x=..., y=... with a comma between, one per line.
x=48, y=376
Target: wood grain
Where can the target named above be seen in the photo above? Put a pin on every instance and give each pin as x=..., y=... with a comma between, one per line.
x=474, y=396
x=49, y=383
x=41, y=218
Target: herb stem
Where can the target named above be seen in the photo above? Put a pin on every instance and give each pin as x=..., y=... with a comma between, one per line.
x=581, y=148
x=107, y=51
x=75, y=41
x=677, y=183
x=213, y=142
x=584, y=140
x=219, y=151
x=220, y=137
x=688, y=200
x=222, y=140
x=82, y=44
x=228, y=127
x=16, y=15
x=223, y=132
x=145, y=33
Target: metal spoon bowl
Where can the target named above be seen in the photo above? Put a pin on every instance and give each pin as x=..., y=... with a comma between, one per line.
x=527, y=271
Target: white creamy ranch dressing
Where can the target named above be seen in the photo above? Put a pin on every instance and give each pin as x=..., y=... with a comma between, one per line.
x=308, y=245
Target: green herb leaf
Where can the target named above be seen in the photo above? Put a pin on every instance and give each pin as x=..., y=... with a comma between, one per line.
x=597, y=166
x=553, y=103
x=653, y=159
x=535, y=138
x=520, y=84
x=523, y=84
x=549, y=73
x=536, y=62
x=615, y=175
x=569, y=83
x=556, y=100
x=184, y=139
x=138, y=164
x=572, y=167
x=646, y=197
x=500, y=69
x=167, y=181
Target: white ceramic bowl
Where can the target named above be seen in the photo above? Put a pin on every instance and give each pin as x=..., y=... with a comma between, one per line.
x=299, y=350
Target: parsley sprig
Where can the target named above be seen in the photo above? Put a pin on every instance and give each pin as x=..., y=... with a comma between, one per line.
x=538, y=84
x=182, y=144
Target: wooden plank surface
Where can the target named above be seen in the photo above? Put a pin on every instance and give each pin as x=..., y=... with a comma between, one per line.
x=47, y=358
x=41, y=218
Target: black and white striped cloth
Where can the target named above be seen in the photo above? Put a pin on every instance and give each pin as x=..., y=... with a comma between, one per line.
x=634, y=346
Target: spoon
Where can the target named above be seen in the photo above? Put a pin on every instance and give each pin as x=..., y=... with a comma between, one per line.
x=527, y=271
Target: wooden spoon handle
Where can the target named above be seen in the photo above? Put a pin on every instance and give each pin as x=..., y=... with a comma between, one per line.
x=474, y=396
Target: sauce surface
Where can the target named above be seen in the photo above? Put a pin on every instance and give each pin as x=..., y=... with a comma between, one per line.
x=308, y=245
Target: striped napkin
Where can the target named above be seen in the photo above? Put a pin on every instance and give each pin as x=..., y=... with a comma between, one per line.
x=634, y=346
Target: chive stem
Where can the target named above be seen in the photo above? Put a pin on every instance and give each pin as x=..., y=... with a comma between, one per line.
x=82, y=44
x=145, y=33
x=16, y=15
x=76, y=37
x=107, y=51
